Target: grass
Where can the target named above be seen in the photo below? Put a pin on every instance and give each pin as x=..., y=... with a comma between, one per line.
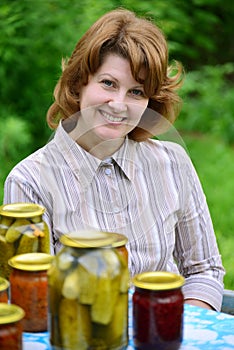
x=213, y=161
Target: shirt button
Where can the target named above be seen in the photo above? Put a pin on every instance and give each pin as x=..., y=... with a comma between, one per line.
x=108, y=171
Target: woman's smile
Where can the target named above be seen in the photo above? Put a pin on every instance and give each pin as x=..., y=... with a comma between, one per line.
x=112, y=119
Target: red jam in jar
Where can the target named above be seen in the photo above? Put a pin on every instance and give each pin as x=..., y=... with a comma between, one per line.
x=29, y=288
x=4, y=290
x=158, y=306
x=11, y=327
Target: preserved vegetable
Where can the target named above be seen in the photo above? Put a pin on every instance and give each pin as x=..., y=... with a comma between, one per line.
x=22, y=230
x=4, y=290
x=158, y=311
x=88, y=293
x=11, y=327
x=29, y=288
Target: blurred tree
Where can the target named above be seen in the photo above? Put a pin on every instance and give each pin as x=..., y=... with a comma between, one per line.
x=35, y=35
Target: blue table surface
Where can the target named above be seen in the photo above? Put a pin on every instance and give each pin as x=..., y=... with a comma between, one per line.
x=203, y=329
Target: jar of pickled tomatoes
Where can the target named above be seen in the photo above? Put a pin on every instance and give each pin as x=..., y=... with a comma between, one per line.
x=88, y=292
x=4, y=290
x=11, y=327
x=158, y=311
x=29, y=288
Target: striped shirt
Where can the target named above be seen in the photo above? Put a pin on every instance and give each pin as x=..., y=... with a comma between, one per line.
x=148, y=191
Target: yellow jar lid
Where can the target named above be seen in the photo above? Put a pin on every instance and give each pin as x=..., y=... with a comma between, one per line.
x=93, y=239
x=4, y=284
x=31, y=261
x=121, y=240
x=21, y=210
x=10, y=313
x=158, y=280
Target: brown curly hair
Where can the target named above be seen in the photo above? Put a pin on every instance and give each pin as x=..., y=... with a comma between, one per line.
x=144, y=45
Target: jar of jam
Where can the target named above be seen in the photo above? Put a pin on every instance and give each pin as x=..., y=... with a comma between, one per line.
x=4, y=290
x=29, y=288
x=88, y=292
x=22, y=230
x=11, y=327
x=158, y=305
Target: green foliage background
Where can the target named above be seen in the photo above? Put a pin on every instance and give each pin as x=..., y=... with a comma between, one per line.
x=36, y=34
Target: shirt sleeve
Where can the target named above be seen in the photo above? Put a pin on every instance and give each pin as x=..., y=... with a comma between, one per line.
x=196, y=250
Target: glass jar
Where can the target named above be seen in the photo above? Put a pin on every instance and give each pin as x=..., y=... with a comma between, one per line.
x=158, y=305
x=11, y=327
x=22, y=230
x=4, y=290
x=29, y=288
x=88, y=293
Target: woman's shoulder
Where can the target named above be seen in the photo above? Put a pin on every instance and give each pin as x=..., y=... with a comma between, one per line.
x=165, y=149
x=29, y=165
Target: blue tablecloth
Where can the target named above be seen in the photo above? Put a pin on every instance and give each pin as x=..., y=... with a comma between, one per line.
x=203, y=329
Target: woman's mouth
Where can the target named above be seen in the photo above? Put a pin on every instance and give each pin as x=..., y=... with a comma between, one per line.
x=111, y=118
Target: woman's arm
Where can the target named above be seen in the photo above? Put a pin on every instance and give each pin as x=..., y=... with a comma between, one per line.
x=196, y=250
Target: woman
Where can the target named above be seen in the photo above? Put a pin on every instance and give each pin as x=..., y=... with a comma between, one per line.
x=103, y=170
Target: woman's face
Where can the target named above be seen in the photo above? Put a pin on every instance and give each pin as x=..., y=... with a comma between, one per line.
x=112, y=102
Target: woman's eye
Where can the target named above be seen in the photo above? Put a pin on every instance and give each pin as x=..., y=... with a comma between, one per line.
x=137, y=92
x=107, y=82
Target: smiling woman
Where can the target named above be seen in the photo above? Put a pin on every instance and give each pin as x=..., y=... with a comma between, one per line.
x=103, y=170
x=118, y=102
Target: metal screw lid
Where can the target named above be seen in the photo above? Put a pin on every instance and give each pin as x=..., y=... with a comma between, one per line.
x=31, y=261
x=21, y=210
x=10, y=313
x=93, y=239
x=4, y=284
x=158, y=280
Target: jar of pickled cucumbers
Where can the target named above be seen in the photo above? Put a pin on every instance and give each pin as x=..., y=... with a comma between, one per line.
x=29, y=288
x=158, y=311
x=11, y=327
x=4, y=290
x=22, y=230
x=88, y=292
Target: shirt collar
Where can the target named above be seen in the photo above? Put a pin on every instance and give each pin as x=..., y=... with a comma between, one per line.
x=85, y=165
x=125, y=157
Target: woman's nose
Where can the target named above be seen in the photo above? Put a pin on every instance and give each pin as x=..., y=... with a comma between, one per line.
x=118, y=107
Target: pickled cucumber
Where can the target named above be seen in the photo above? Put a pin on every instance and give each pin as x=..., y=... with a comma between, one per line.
x=112, y=262
x=44, y=242
x=87, y=270
x=5, y=223
x=55, y=283
x=75, y=325
x=115, y=333
x=71, y=287
x=124, y=281
x=7, y=251
x=15, y=230
x=28, y=243
x=107, y=292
